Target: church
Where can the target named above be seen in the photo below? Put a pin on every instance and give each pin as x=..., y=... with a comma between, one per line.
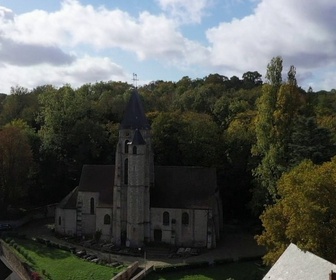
x=133, y=202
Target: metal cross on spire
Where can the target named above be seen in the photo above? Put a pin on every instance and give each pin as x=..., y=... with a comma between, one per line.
x=135, y=80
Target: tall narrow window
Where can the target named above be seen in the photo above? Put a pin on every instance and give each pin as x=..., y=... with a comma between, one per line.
x=126, y=146
x=107, y=219
x=135, y=150
x=185, y=218
x=165, y=218
x=126, y=171
x=59, y=220
x=92, y=206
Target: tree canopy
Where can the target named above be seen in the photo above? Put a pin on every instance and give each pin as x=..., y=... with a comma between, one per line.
x=15, y=164
x=252, y=130
x=305, y=214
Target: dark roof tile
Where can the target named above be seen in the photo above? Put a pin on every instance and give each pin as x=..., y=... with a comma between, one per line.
x=98, y=178
x=134, y=116
x=138, y=139
x=183, y=187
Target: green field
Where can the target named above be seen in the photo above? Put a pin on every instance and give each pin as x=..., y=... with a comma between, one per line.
x=62, y=265
x=237, y=271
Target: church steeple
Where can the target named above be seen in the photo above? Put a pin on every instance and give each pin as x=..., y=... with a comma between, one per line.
x=134, y=177
x=134, y=115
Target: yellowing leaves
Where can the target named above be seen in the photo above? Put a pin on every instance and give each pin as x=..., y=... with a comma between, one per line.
x=305, y=214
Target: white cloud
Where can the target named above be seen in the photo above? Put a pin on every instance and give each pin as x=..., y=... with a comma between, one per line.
x=59, y=43
x=83, y=70
x=301, y=31
x=6, y=14
x=185, y=11
x=149, y=36
x=39, y=37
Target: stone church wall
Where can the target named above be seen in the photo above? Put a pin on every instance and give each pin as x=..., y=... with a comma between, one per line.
x=65, y=221
x=201, y=227
x=190, y=234
x=100, y=225
x=88, y=224
x=85, y=197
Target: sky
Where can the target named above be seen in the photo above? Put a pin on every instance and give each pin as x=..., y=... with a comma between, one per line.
x=86, y=41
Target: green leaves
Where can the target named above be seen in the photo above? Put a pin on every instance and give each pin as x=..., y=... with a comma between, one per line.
x=305, y=214
x=185, y=139
x=15, y=163
x=278, y=108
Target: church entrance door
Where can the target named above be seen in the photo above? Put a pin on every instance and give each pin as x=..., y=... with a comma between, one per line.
x=157, y=235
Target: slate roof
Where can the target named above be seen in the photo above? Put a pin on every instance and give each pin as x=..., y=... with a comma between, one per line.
x=98, y=178
x=138, y=139
x=134, y=115
x=183, y=187
x=295, y=264
x=69, y=202
x=94, y=178
x=174, y=187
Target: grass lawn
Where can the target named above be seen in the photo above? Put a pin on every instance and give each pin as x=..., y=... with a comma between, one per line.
x=232, y=271
x=62, y=265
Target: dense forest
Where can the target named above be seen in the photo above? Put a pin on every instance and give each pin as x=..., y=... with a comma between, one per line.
x=254, y=130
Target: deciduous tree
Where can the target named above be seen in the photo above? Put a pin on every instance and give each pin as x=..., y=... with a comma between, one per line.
x=15, y=162
x=277, y=109
x=306, y=213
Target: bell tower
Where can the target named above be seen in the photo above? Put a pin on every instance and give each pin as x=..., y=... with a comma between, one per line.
x=133, y=177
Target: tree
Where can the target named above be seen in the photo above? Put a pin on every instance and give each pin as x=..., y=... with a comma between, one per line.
x=310, y=141
x=235, y=176
x=306, y=213
x=166, y=130
x=20, y=104
x=200, y=140
x=186, y=138
x=267, y=172
x=251, y=79
x=274, y=72
x=73, y=132
x=15, y=163
x=278, y=107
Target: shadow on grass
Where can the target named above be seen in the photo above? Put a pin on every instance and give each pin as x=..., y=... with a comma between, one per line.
x=42, y=250
x=236, y=270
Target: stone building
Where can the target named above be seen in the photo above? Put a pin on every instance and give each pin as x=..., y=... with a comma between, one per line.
x=134, y=202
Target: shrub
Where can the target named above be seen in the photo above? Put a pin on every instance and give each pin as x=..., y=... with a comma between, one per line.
x=35, y=276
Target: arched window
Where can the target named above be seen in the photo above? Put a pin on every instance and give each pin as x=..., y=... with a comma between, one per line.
x=165, y=218
x=92, y=206
x=107, y=219
x=135, y=150
x=126, y=147
x=126, y=171
x=185, y=218
x=59, y=220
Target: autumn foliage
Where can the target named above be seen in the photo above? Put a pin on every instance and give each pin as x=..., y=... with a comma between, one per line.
x=305, y=214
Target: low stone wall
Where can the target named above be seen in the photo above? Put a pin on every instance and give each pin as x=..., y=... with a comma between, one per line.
x=143, y=273
x=127, y=273
x=21, y=268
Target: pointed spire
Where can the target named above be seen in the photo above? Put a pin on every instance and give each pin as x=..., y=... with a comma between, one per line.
x=134, y=115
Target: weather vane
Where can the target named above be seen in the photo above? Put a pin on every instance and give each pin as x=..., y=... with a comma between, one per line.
x=135, y=80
